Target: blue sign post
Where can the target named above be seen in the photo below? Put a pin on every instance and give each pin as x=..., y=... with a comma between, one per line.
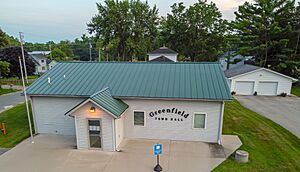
x=157, y=149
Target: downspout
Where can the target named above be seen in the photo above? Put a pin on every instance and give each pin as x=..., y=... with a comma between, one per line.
x=221, y=124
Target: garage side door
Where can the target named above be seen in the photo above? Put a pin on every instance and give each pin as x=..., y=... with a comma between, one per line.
x=267, y=88
x=244, y=87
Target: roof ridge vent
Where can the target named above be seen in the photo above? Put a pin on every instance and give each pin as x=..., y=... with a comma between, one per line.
x=49, y=80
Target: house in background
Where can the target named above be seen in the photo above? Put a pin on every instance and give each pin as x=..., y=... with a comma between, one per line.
x=163, y=54
x=248, y=79
x=42, y=63
x=51, y=63
x=241, y=60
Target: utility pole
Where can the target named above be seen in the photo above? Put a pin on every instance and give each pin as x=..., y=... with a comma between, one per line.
x=90, y=51
x=99, y=54
x=22, y=49
x=26, y=101
x=50, y=51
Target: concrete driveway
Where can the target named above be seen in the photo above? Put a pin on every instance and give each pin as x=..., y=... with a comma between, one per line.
x=52, y=153
x=282, y=110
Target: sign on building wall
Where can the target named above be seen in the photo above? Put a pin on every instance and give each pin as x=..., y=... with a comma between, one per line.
x=169, y=114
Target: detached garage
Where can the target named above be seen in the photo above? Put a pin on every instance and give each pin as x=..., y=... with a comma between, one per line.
x=248, y=79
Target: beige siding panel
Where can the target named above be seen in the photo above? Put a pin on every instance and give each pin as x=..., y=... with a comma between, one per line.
x=119, y=123
x=172, y=130
x=49, y=113
x=82, y=115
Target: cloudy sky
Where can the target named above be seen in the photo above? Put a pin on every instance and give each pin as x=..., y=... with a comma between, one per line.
x=44, y=20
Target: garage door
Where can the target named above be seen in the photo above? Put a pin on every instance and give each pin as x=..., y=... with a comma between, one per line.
x=244, y=87
x=267, y=88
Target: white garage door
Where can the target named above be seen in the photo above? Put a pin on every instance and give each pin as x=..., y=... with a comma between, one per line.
x=267, y=88
x=244, y=87
x=50, y=115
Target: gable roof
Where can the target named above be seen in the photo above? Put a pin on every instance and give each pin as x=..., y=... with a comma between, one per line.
x=161, y=59
x=240, y=70
x=105, y=101
x=163, y=50
x=181, y=80
x=246, y=68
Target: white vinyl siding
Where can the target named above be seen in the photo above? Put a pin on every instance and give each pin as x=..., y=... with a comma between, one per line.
x=173, y=130
x=119, y=124
x=199, y=120
x=82, y=116
x=49, y=114
x=283, y=84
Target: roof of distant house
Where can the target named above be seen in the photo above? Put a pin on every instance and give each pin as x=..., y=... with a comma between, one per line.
x=39, y=52
x=161, y=59
x=163, y=50
x=240, y=70
x=181, y=80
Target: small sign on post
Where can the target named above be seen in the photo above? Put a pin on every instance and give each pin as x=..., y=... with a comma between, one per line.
x=157, y=149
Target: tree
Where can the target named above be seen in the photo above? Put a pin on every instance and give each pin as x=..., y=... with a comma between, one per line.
x=4, y=68
x=126, y=27
x=196, y=32
x=11, y=55
x=58, y=54
x=263, y=28
x=3, y=39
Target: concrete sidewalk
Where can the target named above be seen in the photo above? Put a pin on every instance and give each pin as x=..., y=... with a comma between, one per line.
x=52, y=153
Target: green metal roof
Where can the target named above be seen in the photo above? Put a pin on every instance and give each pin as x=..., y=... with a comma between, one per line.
x=105, y=100
x=180, y=80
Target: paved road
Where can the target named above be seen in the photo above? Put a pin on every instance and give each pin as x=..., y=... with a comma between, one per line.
x=10, y=100
x=3, y=150
x=282, y=110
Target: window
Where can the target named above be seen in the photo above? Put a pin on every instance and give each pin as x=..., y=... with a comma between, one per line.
x=199, y=120
x=42, y=61
x=139, y=118
x=95, y=133
x=43, y=68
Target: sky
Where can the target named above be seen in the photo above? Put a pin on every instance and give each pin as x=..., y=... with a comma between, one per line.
x=45, y=20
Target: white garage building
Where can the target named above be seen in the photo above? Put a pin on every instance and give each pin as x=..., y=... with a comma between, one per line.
x=103, y=102
x=248, y=79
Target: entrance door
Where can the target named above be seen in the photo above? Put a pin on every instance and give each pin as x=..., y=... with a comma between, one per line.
x=95, y=133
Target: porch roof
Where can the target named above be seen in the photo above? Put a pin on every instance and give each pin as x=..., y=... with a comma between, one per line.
x=104, y=100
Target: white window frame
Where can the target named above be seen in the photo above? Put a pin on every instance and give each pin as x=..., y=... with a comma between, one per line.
x=88, y=134
x=205, y=120
x=144, y=118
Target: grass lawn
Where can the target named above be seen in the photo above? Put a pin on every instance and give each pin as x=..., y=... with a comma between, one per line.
x=16, y=124
x=18, y=81
x=6, y=91
x=270, y=146
x=296, y=90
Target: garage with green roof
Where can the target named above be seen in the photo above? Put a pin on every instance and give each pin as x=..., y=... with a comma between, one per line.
x=101, y=103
